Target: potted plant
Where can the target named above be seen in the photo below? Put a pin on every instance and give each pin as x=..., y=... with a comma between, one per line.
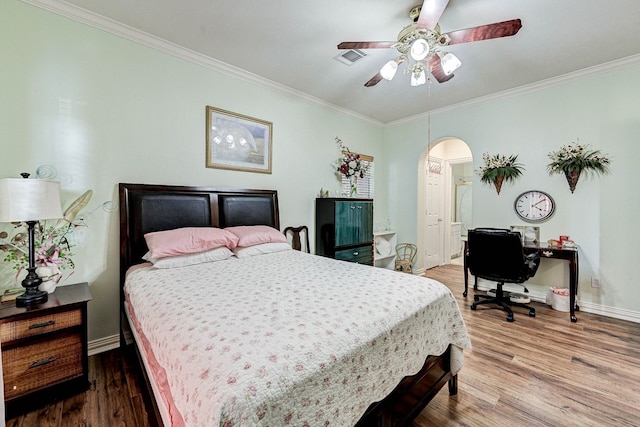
x=497, y=169
x=575, y=158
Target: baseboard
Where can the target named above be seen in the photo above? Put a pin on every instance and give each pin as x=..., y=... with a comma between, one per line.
x=103, y=344
x=587, y=307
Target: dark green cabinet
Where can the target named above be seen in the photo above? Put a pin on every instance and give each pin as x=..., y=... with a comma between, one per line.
x=344, y=229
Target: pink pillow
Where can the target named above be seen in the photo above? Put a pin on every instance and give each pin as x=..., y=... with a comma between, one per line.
x=249, y=235
x=188, y=240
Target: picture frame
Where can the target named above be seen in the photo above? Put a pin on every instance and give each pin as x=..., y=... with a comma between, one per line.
x=530, y=234
x=238, y=142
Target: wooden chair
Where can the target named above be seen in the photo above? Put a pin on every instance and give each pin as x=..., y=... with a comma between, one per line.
x=405, y=255
x=296, y=233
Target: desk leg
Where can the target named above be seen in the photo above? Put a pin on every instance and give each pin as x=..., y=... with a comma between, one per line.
x=573, y=286
x=465, y=270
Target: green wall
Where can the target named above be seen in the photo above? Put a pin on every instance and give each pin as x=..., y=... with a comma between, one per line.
x=102, y=109
x=602, y=109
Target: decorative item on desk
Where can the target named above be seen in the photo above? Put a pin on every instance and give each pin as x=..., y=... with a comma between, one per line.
x=498, y=169
x=575, y=158
x=323, y=194
x=51, y=247
x=29, y=200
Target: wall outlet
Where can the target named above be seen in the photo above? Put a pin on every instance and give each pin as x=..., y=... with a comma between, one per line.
x=595, y=282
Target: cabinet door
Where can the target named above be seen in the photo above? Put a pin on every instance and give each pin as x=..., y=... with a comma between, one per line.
x=354, y=222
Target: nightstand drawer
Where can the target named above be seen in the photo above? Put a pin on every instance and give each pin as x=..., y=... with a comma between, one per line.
x=11, y=331
x=42, y=364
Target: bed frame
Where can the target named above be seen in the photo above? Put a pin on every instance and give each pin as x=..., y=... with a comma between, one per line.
x=146, y=208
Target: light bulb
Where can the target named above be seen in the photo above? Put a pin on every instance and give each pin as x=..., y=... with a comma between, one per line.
x=419, y=49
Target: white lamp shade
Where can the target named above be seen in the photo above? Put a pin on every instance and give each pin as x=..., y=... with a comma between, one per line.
x=450, y=63
x=419, y=49
x=418, y=78
x=29, y=200
x=388, y=71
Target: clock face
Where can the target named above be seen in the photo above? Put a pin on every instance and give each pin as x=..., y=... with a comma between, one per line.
x=534, y=206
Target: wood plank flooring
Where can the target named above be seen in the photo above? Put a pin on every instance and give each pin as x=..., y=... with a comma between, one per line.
x=542, y=371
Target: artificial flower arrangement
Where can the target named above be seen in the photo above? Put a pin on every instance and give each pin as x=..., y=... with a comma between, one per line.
x=351, y=165
x=499, y=168
x=575, y=158
x=52, y=247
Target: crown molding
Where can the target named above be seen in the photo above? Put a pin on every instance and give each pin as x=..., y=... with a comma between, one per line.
x=92, y=19
x=542, y=84
x=100, y=22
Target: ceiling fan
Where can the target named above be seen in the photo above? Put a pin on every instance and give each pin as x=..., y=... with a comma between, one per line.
x=421, y=44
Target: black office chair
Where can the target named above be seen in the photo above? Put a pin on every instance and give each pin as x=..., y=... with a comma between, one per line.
x=296, y=233
x=497, y=255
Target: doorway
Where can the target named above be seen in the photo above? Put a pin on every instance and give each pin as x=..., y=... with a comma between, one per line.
x=446, y=213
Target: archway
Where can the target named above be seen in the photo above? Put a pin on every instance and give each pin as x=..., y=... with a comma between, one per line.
x=442, y=163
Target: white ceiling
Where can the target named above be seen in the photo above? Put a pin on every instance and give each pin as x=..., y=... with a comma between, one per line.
x=293, y=42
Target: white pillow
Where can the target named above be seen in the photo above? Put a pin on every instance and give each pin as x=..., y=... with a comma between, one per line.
x=217, y=254
x=263, y=248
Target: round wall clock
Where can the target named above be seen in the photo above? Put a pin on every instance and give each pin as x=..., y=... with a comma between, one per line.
x=534, y=206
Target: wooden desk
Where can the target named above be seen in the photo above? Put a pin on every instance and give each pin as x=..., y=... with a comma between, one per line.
x=567, y=254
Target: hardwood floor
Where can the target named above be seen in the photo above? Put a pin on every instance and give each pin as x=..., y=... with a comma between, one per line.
x=542, y=371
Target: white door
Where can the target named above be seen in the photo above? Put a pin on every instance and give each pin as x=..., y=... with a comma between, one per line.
x=433, y=212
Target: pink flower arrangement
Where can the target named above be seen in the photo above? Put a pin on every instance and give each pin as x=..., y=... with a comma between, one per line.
x=350, y=164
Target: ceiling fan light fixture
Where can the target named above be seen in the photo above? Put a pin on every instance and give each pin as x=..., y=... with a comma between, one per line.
x=388, y=71
x=418, y=77
x=419, y=49
x=450, y=63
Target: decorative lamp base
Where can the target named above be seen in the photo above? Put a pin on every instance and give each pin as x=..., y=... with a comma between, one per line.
x=32, y=296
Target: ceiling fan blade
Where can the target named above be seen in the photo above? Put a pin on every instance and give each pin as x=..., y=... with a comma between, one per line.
x=485, y=32
x=365, y=45
x=430, y=13
x=436, y=70
x=374, y=80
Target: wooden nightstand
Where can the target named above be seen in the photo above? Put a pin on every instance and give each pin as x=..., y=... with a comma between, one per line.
x=44, y=349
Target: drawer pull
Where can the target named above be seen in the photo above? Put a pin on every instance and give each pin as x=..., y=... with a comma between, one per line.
x=42, y=325
x=352, y=207
x=42, y=362
x=356, y=253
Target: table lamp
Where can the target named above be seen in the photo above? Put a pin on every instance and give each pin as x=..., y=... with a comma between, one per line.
x=30, y=200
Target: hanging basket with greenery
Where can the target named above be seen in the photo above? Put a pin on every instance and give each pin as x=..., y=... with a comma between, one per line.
x=575, y=158
x=497, y=169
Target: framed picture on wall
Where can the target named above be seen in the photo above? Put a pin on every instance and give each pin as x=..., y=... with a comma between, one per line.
x=238, y=142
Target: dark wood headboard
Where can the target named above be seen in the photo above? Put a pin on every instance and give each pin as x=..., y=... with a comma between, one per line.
x=145, y=208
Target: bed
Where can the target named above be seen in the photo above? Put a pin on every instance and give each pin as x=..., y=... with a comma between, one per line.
x=280, y=337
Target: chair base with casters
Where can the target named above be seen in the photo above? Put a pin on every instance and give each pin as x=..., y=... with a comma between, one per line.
x=502, y=299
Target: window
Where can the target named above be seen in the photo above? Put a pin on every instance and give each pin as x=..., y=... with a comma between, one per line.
x=365, y=185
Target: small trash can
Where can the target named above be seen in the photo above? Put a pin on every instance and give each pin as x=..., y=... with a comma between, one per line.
x=558, y=299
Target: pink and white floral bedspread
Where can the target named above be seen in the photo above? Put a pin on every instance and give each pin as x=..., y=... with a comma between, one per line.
x=290, y=338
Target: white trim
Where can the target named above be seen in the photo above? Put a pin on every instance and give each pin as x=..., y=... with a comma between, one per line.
x=553, y=81
x=121, y=30
x=103, y=344
x=587, y=307
x=98, y=21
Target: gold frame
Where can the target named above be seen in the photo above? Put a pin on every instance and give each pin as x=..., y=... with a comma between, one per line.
x=238, y=142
